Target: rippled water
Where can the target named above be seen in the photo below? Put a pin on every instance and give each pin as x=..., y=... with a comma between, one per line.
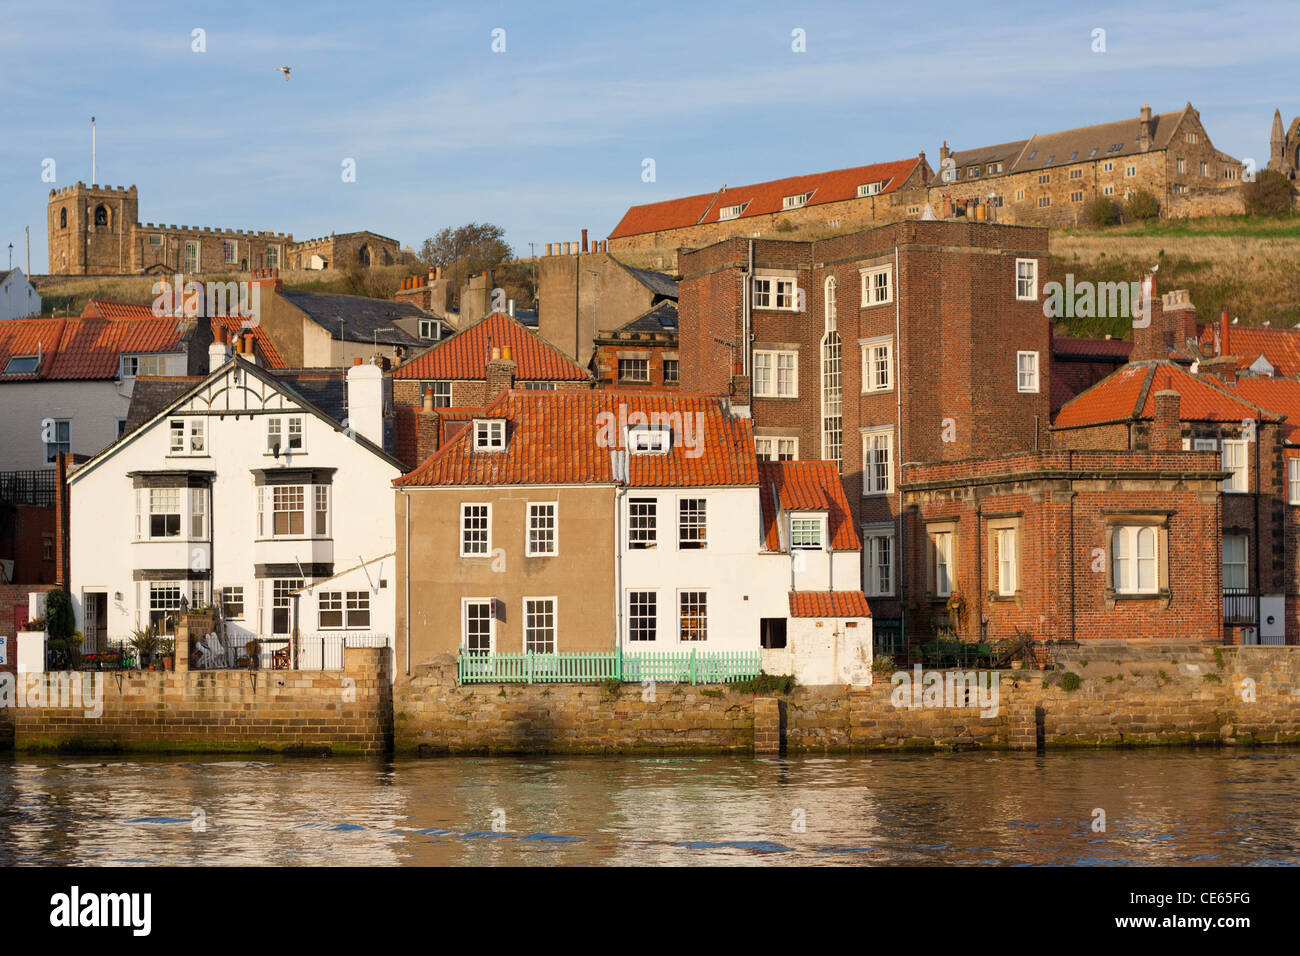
x=1162, y=807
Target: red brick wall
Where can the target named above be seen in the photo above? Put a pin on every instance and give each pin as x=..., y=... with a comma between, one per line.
x=14, y=596
x=1064, y=542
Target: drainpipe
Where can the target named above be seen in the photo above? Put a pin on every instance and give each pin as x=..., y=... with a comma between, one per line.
x=620, y=494
x=407, y=544
x=1259, y=579
x=747, y=298
x=979, y=567
x=1069, y=464
x=898, y=445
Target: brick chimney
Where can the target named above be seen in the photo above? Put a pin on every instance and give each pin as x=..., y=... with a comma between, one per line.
x=1167, y=429
x=500, y=372
x=741, y=390
x=427, y=426
x=1151, y=335
x=268, y=280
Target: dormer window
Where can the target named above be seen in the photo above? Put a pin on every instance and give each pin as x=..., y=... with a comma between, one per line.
x=869, y=189
x=132, y=366
x=807, y=532
x=430, y=329
x=731, y=212
x=489, y=434
x=794, y=202
x=649, y=441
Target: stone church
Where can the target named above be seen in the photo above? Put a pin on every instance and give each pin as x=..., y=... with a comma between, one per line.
x=1284, y=148
x=96, y=230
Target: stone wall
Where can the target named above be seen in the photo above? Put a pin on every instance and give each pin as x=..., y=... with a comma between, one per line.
x=1130, y=695
x=335, y=712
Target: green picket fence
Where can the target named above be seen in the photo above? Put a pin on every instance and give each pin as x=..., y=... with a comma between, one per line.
x=575, y=667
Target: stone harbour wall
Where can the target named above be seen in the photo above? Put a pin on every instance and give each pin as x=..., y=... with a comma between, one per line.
x=309, y=712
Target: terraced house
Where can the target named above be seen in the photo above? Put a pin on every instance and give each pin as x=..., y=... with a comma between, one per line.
x=627, y=523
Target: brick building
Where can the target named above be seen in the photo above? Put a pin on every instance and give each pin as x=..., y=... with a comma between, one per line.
x=641, y=353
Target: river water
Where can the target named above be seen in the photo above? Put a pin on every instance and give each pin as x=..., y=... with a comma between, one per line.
x=1220, y=807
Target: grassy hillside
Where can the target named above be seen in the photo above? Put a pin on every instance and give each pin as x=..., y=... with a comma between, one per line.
x=1247, y=266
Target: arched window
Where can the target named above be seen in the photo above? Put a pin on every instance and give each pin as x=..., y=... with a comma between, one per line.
x=832, y=380
x=101, y=215
x=363, y=255
x=63, y=218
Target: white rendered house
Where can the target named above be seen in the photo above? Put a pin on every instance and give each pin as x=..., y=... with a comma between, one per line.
x=241, y=492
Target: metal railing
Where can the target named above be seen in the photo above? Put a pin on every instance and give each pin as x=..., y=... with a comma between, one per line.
x=309, y=652
x=574, y=667
x=1240, y=606
x=29, y=487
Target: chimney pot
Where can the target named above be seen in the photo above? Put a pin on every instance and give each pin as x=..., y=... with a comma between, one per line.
x=357, y=360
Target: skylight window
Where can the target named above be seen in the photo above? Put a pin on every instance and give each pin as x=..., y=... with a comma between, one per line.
x=20, y=364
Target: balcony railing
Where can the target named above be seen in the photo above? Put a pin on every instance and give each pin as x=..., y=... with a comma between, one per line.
x=573, y=667
x=1240, y=606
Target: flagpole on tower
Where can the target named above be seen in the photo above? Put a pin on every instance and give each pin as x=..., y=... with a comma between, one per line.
x=92, y=151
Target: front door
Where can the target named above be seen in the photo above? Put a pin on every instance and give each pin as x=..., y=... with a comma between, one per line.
x=95, y=626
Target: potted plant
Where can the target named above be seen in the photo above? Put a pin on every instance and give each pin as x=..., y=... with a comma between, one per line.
x=167, y=649
x=75, y=642
x=144, y=641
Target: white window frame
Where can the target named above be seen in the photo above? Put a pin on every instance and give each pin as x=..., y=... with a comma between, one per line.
x=430, y=329
x=870, y=486
x=1126, y=562
x=465, y=604
x=58, y=445
x=734, y=211
x=639, y=366
x=536, y=511
x=771, y=384
x=683, y=544
x=872, y=565
x=769, y=291
x=232, y=596
x=198, y=514
x=1007, y=568
x=870, y=189
x=1238, y=482
x=641, y=543
x=649, y=440
x=490, y=435
x=288, y=429
x=798, y=527
x=487, y=539
x=768, y=447
x=1026, y=276
x=1293, y=480
x=877, y=293
x=1243, y=564
x=320, y=505
x=147, y=495
x=656, y=618
x=870, y=364
x=1022, y=384
x=526, y=626
x=797, y=201
x=441, y=389
x=704, y=638
x=305, y=491
x=941, y=546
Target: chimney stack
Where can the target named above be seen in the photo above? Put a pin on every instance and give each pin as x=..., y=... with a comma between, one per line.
x=217, y=354
x=1166, y=430
x=500, y=372
x=1145, y=131
x=365, y=383
x=584, y=240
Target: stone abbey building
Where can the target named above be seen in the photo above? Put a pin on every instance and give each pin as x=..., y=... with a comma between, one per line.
x=96, y=230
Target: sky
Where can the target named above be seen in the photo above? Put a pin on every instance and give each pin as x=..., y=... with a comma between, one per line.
x=550, y=134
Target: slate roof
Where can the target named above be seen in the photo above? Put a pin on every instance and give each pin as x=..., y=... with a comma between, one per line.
x=1118, y=138
x=464, y=356
x=762, y=198
x=363, y=319
x=86, y=349
x=563, y=438
x=661, y=285
x=659, y=318
x=805, y=486
x=1128, y=394
x=828, y=604
x=152, y=396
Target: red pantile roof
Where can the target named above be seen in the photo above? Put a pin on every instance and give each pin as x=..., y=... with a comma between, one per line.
x=85, y=348
x=1279, y=395
x=465, y=355
x=105, y=309
x=1067, y=346
x=828, y=604
x=1248, y=342
x=762, y=198
x=566, y=437
x=805, y=486
x=1129, y=394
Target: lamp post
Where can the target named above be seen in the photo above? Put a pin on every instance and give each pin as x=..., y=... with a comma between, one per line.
x=11, y=255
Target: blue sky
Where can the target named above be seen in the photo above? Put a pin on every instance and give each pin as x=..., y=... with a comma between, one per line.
x=549, y=136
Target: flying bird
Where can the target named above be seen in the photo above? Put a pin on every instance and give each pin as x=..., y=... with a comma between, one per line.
x=1156, y=267
x=1235, y=319
x=285, y=70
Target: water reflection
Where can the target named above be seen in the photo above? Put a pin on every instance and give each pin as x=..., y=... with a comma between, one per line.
x=1179, y=807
